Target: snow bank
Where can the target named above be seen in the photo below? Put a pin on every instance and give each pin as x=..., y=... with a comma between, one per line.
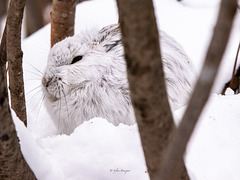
x=213, y=152
x=95, y=150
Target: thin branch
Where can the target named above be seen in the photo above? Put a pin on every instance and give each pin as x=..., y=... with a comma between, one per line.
x=12, y=163
x=34, y=15
x=146, y=80
x=3, y=47
x=202, y=90
x=62, y=19
x=234, y=68
x=234, y=82
x=14, y=57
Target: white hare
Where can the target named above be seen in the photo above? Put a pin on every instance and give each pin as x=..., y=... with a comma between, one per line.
x=86, y=77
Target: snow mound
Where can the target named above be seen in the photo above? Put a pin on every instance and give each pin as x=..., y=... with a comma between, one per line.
x=96, y=149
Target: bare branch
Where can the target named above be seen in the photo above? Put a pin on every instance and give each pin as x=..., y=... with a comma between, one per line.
x=234, y=82
x=3, y=12
x=62, y=19
x=14, y=57
x=13, y=165
x=3, y=8
x=203, y=87
x=146, y=80
x=3, y=48
x=234, y=68
x=34, y=15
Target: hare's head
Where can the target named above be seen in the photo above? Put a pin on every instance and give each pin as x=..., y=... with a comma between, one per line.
x=85, y=77
x=92, y=57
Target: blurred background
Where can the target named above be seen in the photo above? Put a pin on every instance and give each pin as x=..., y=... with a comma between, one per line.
x=36, y=15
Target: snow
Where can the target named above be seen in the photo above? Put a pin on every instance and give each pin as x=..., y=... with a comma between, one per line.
x=214, y=147
x=99, y=150
x=96, y=149
x=99, y=146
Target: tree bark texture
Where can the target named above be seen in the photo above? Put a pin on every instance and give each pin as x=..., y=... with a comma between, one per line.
x=146, y=81
x=62, y=19
x=12, y=163
x=14, y=58
x=3, y=12
x=3, y=47
x=201, y=93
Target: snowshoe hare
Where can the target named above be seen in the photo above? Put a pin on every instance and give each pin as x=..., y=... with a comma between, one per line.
x=86, y=77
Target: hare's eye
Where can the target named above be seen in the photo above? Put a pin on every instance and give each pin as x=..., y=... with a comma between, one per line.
x=76, y=59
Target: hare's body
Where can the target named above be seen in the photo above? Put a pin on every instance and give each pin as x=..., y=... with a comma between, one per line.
x=86, y=77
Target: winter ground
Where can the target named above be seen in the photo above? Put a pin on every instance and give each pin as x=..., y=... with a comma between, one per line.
x=99, y=150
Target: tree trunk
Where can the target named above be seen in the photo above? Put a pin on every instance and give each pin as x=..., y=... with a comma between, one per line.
x=3, y=12
x=14, y=58
x=12, y=163
x=201, y=93
x=3, y=48
x=34, y=15
x=62, y=19
x=3, y=8
x=146, y=81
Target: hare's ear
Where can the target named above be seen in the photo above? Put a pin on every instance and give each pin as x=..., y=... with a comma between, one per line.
x=110, y=37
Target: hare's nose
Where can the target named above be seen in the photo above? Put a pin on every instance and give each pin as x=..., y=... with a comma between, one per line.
x=45, y=82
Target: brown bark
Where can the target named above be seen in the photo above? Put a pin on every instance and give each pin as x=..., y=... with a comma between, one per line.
x=234, y=68
x=3, y=48
x=201, y=93
x=3, y=12
x=62, y=19
x=3, y=8
x=34, y=14
x=12, y=163
x=146, y=81
x=14, y=58
x=234, y=82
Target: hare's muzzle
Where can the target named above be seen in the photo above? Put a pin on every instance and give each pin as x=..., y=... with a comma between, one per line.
x=44, y=81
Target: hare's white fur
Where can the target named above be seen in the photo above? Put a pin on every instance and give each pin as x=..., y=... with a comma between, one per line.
x=96, y=86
